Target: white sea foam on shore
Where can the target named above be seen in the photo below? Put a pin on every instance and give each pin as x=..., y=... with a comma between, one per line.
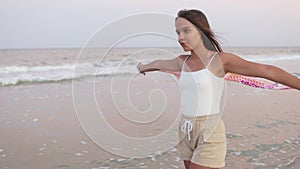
x=48, y=66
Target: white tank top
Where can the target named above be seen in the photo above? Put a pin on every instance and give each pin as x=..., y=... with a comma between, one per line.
x=201, y=92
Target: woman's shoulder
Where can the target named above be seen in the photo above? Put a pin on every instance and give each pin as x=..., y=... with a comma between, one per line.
x=182, y=57
x=227, y=57
x=227, y=54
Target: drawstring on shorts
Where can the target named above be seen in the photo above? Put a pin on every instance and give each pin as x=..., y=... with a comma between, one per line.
x=187, y=127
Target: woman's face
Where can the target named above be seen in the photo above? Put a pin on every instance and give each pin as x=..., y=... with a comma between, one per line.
x=188, y=35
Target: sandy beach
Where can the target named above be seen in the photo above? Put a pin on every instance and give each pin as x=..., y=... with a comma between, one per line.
x=40, y=129
x=262, y=128
x=50, y=124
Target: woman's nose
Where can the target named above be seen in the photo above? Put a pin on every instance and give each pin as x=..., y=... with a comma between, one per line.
x=180, y=37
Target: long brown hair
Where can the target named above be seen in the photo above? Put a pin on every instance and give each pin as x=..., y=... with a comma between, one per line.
x=198, y=19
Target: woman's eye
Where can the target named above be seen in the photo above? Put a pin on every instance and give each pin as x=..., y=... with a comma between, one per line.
x=183, y=31
x=186, y=31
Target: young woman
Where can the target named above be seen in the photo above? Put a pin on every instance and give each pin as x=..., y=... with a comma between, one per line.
x=202, y=133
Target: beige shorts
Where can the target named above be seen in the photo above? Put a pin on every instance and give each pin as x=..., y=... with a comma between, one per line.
x=205, y=144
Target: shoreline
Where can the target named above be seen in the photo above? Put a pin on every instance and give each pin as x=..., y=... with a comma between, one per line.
x=38, y=121
x=40, y=127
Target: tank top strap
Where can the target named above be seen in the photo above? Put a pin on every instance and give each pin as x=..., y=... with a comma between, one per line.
x=212, y=58
x=184, y=62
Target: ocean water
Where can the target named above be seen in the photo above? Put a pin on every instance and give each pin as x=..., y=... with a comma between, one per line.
x=28, y=66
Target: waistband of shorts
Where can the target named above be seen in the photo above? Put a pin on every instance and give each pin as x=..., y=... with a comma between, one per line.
x=202, y=118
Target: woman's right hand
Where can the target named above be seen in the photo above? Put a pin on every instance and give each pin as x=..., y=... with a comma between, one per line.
x=138, y=66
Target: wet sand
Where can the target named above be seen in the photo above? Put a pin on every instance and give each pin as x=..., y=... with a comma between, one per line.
x=40, y=129
x=262, y=128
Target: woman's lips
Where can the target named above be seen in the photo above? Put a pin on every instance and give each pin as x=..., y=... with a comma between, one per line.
x=183, y=44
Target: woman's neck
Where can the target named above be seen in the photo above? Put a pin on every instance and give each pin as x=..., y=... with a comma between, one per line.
x=204, y=55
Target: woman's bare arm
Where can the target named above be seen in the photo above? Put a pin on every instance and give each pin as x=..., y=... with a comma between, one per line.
x=172, y=65
x=235, y=64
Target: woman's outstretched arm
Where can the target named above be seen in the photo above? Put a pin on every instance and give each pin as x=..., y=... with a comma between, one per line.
x=235, y=64
x=174, y=64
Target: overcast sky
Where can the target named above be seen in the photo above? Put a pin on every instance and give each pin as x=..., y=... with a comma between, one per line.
x=70, y=23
